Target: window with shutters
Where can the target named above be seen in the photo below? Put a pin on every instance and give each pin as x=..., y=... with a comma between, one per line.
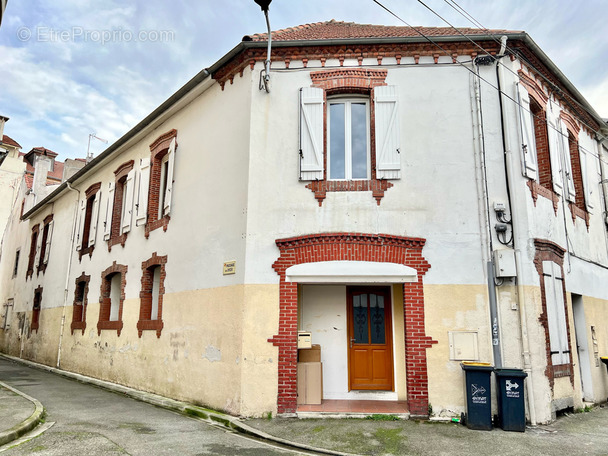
x=554, y=318
x=45, y=246
x=79, y=312
x=36, y=309
x=349, y=132
x=119, y=211
x=113, y=282
x=151, y=295
x=33, y=250
x=156, y=183
x=89, y=215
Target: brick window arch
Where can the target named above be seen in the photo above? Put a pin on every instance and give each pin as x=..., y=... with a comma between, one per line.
x=79, y=309
x=151, y=294
x=113, y=282
x=162, y=151
x=353, y=247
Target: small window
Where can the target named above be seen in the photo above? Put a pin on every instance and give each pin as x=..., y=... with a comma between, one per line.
x=151, y=295
x=556, y=313
x=349, y=150
x=89, y=214
x=79, y=312
x=36, y=309
x=45, y=246
x=16, y=266
x=120, y=205
x=112, y=298
x=159, y=187
x=164, y=174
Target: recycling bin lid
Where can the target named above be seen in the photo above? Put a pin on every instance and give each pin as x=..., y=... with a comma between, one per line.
x=509, y=372
x=474, y=366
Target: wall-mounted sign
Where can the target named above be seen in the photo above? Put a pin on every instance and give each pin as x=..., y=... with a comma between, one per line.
x=229, y=267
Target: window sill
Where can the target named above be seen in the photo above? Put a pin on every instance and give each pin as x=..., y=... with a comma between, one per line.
x=41, y=268
x=85, y=251
x=121, y=239
x=109, y=325
x=78, y=325
x=538, y=190
x=150, y=325
x=376, y=186
x=579, y=212
x=562, y=370
x=155, y=224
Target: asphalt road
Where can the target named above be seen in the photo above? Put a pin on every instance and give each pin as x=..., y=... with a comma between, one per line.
x=91, y=421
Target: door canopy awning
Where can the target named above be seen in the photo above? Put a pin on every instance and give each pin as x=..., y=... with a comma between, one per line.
x=350, y=272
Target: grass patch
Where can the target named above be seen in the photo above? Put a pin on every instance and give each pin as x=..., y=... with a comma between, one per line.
x=382, y=417
x=391, y=440
x=318, y=429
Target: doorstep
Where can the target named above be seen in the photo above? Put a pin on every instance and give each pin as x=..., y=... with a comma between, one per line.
x=330, y=408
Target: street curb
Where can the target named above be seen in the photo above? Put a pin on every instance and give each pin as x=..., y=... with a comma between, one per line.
x=26, y=425
x=227, y=421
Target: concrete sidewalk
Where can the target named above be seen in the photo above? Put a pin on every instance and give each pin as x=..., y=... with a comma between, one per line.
x=19, y=414
x=573, y=434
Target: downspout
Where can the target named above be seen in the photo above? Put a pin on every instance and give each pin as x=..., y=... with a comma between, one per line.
x=67, y=274
x=483, y=189
x=521, y=301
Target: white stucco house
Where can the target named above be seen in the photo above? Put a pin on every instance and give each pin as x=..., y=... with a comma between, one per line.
x=410, y=203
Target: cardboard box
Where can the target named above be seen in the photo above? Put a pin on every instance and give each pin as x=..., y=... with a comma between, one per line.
x=310, y=383
x=310, y=355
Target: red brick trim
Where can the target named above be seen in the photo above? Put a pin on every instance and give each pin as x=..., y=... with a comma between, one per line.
x=79, y=308
x=145, y=295
x=571, y=123
x=32, y=256
x=550, y=251
x=353, y=247
x=538, y=190
x=85, y=248
x=45, y=233
x=35, y=325
x=123, y=169
x=534, y=89
x=105, y=300
x=92, y=190
x=579, y=212
x=158, y=149
x=349, y=81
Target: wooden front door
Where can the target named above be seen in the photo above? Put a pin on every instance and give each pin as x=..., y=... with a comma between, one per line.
x=370, y=353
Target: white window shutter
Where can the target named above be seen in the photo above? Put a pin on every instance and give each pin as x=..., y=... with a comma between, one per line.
x=388, y=148
x=528, y=138
x=127, y=210
x=556, y=313
x=571, y=194
x=555, y=148
x=170, y=167
x=311, y=133
x=47, y=248
x=94, y=219
x=141, y=212
x=584, y=158
x=80, y=231
x=107, y=224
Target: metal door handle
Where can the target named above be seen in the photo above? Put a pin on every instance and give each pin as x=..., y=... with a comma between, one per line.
x=351, y=342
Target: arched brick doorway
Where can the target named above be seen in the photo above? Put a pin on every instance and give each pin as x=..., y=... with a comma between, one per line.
x=353, y=247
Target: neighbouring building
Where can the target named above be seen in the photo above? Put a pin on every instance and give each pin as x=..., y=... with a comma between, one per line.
x=411, y=201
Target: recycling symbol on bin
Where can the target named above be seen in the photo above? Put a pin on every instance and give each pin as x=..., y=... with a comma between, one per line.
x=477, y=390
x=511, y=385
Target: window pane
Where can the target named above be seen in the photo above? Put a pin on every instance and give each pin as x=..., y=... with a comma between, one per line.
x=376, y=310
x=155, y=293
x=337, y=141
x=359, y=140
x=115, y=286
x=360, y=319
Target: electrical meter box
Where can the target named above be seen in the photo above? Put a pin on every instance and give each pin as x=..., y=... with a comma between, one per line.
x=504, y=263
x=304, y=339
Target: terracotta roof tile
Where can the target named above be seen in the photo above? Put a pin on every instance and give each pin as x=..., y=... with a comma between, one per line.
x=10, y=141
x=342, y=30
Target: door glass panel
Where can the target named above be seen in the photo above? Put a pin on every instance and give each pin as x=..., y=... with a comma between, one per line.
x=378, y=328
x=360, y=332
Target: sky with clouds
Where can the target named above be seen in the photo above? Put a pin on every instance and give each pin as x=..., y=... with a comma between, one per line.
x=74, y=67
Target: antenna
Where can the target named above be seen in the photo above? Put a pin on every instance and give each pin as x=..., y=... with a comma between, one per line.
x=265, y=73
x=93, y=135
